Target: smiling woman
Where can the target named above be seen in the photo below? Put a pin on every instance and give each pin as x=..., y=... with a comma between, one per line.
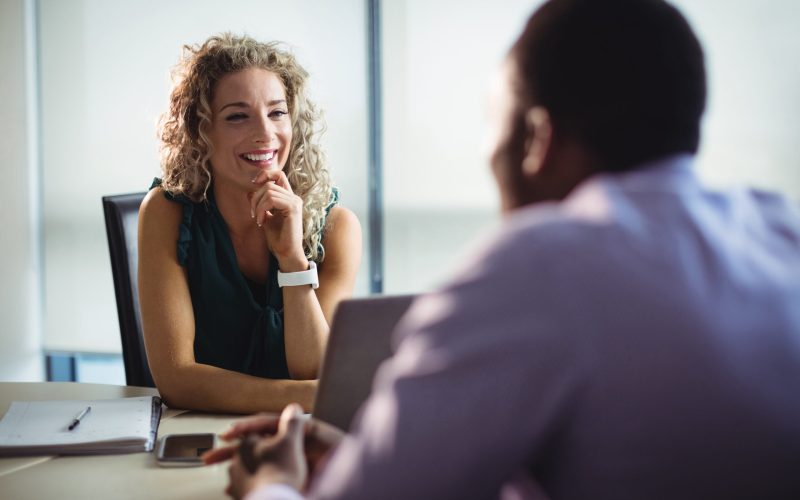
x=235, y=317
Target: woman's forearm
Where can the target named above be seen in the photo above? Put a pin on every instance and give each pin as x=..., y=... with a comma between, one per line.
x=307, y=313
x=208, y=388
x=305, y=332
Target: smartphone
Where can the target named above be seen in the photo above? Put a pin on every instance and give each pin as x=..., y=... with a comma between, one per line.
x=183, y=450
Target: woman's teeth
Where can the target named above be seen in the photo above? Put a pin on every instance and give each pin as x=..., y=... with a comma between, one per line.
x=260, y=157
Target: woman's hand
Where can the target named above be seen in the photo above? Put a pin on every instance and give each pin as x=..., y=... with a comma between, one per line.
x=276, y=208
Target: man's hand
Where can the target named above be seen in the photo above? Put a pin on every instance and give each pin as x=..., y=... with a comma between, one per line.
x=273, y=459
x=319, y=439
x=260, y=425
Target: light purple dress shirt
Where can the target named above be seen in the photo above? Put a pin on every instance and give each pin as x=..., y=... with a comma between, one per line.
x=639, y=340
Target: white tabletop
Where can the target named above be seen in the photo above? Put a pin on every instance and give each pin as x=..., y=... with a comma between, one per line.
x=134, y=475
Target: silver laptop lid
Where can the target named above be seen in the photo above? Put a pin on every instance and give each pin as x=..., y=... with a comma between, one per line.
x=359, y=341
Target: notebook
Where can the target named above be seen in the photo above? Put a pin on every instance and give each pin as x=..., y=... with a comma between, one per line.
x=359, y=341
x=123, y=425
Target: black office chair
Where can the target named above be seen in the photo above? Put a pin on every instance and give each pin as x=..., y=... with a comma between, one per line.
x=122, y=219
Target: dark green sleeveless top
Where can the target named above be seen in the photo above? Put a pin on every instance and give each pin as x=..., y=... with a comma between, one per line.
x=238, y=323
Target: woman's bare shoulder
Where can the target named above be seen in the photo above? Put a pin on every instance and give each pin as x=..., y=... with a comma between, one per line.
x=342, y=231
x=340, y=215
x=159, y=213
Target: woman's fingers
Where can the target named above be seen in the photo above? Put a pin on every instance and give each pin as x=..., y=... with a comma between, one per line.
x=258, y=198
x=274, y=201
x=268, y=189
x=276, y=176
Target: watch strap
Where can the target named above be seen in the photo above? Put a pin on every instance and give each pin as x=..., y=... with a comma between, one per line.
x=308, y=277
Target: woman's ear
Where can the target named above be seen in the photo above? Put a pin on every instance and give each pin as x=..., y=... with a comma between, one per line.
x=539, y=130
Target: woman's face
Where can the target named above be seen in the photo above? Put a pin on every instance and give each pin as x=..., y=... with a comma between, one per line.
x=251, y=129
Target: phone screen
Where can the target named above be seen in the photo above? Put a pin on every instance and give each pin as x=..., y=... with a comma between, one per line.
x=184, y=448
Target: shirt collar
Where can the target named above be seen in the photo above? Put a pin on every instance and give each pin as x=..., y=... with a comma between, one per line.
x=669, y=173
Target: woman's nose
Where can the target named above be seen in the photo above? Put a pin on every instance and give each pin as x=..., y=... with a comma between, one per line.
x=264, y=130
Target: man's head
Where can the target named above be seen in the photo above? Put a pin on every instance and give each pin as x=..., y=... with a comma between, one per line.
x=596, y=85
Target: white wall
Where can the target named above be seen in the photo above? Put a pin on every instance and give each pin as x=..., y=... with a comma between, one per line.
x=20, y=293
x=105, y=81
x=752, y=125
x=438, y=192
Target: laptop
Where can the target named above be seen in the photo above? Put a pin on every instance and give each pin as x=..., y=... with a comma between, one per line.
x=359, y=341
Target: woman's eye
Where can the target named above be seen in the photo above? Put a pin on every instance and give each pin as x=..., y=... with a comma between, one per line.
x=278, y=113
x=235, y=117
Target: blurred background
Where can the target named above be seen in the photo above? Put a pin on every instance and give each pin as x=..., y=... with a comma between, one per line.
x=84, y=82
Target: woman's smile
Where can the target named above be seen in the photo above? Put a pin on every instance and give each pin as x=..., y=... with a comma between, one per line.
x=261, y=158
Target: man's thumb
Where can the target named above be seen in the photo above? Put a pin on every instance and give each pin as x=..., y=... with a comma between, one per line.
x=291, y=422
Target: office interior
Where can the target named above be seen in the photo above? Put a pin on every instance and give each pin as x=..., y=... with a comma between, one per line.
x=403, y=84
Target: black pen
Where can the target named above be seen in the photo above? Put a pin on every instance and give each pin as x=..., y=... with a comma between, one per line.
x=78, y=418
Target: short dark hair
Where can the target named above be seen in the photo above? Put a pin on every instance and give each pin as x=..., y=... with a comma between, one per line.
x=624, y=78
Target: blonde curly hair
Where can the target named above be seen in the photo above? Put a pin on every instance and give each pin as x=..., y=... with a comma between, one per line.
x=183, y=129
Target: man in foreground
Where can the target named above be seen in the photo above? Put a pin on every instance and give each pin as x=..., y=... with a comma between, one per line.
x=627, y=333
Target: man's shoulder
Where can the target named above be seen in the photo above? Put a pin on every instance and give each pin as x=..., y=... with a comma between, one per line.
x=642, y=206
x=544, y=241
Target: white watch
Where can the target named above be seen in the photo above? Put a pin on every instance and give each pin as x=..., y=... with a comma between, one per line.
x=300, y=278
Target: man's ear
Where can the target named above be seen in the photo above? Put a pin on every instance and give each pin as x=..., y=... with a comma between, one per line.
x=539, y=130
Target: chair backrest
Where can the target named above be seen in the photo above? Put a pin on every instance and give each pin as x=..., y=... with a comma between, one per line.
x=122, y=220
